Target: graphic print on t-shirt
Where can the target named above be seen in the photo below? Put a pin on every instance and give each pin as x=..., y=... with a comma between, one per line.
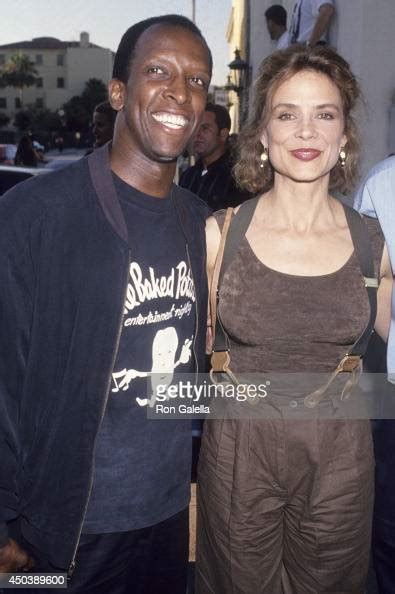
x=158, y=307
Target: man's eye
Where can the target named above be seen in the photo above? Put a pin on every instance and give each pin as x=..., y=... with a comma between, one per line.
x=197, y=80
x=155, y=70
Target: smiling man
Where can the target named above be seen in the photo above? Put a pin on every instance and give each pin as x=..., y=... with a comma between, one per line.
x=96, y=261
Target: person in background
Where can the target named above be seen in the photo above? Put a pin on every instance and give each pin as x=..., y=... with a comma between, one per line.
x=103, y=121
x=211, y=177
x=59, y=142
x=26, y=155
x=375, y=198
x=310, y=21
x=276, y=21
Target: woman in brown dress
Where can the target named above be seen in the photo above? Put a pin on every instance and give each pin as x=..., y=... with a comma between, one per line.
x=285, y=503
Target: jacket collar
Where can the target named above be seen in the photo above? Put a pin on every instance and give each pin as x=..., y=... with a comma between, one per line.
x=100, y=172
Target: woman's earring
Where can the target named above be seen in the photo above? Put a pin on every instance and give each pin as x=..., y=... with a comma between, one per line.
x=342, y=156
x=264, y=157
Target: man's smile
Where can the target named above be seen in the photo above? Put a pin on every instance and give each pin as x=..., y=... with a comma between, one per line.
x=170, y=120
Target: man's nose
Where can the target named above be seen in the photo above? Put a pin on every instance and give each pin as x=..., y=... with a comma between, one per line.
x=178, y=90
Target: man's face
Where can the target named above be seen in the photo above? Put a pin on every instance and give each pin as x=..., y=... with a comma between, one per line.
x=271, y=27
x=165, y=95
x=102, y=128
x=209, y=140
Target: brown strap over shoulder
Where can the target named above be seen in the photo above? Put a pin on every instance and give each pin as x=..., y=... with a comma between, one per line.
x=217, y=269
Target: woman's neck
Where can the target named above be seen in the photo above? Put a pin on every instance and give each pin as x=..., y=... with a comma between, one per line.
x=300, y=206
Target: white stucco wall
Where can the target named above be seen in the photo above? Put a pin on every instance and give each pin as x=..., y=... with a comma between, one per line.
x=364, y=33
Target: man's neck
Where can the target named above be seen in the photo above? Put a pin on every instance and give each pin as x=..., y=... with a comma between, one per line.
x=210, y=159
x=151, y=177
x=280, y=31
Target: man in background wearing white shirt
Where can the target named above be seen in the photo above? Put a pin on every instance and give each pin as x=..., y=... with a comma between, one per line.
x=276, y=21
x=310, y=21
x=376, y=198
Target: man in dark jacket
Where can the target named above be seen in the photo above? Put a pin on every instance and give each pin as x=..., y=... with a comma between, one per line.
x=211, y=178
x=102, y=289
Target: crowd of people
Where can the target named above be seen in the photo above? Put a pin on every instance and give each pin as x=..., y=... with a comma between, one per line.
x=109, y=272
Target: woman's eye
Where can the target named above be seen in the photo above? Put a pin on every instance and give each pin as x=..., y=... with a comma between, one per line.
x=325, y=116
x=285, y=116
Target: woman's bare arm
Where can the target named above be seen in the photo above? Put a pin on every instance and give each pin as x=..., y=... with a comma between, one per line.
x=384, y=294
x=213, y=238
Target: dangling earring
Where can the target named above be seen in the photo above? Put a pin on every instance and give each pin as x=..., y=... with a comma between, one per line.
x=264, y=157
x=342, y=156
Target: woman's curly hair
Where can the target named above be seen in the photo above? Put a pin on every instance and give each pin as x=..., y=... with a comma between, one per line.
x=274, y=70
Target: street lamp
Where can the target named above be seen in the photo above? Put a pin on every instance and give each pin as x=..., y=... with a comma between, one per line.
x=239, y=73
x=237, y=82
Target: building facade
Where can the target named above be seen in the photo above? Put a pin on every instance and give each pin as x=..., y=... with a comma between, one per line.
x=63, y=68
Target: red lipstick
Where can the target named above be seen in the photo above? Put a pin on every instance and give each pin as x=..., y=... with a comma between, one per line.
x=306, y=154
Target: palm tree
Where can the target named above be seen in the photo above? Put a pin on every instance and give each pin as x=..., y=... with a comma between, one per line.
x=19, y=73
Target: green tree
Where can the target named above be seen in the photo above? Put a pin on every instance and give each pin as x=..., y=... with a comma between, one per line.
x=19, y=73
x=95, y=92
x=37, y=119
x=76, y=114
x=79, y=109
x=4, y=119
x=22, y=120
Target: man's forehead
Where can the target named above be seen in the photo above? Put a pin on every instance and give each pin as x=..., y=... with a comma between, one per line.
x=209, y=118
x=161, y=35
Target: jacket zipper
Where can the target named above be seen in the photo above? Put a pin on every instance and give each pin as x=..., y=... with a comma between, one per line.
x=115, y=352
x=197, y=314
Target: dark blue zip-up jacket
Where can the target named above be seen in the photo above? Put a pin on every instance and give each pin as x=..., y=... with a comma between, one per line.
x=64, y=263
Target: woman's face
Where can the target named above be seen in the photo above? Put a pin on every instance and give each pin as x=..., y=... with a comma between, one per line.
x=305, y=129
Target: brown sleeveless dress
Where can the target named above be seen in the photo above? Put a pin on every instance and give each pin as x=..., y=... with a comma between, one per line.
x=285, y=504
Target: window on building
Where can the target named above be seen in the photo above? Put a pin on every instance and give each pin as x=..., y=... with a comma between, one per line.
x=39, y=59
x=60, y=60
x=39, y=82
x=2, y=59
x=3, y=103
x=60, y=84
x=39, y=102
x=18, y=103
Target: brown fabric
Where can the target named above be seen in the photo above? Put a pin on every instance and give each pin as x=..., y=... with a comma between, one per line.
x=285, y=505
x=281, y=322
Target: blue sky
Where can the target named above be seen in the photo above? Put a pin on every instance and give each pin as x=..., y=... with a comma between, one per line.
x=107, y=20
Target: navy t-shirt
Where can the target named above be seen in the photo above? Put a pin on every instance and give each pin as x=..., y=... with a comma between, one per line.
x=142, y=466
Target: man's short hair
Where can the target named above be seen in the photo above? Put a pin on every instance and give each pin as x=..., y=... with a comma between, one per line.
x=222, y=116
x=127, y=45
x=277, y=14
x=106, y=109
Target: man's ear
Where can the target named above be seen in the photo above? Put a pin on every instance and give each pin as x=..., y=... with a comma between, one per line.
x=116, y=94
x=224, y=134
